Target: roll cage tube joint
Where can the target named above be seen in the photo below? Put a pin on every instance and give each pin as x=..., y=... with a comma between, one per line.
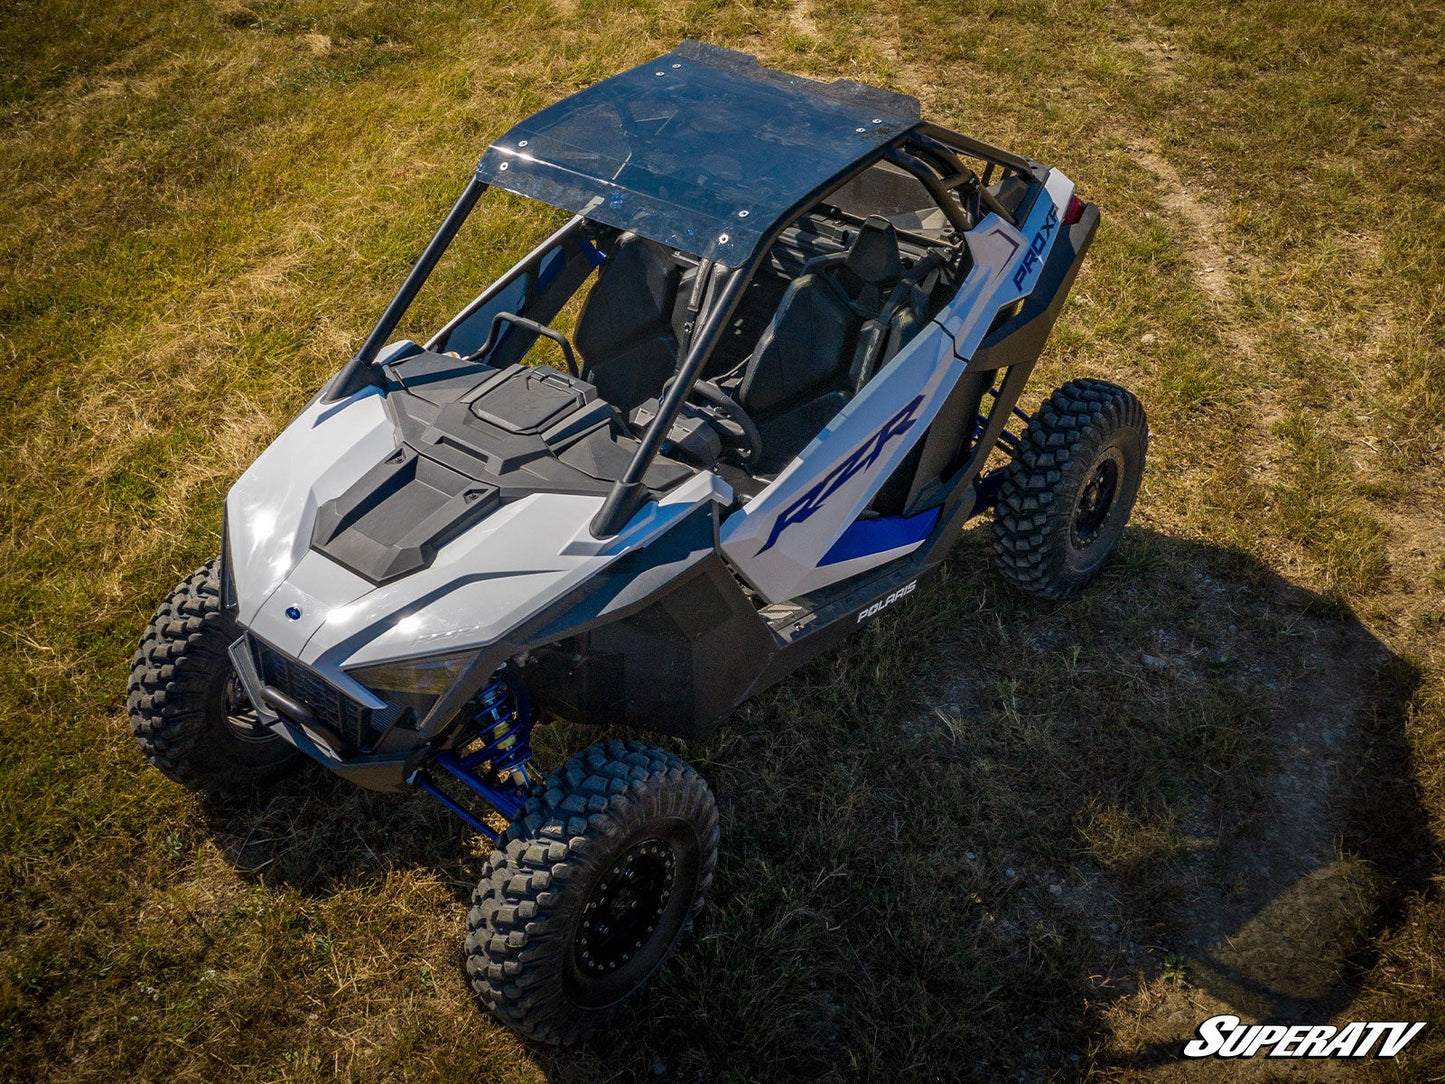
x=628, y=494
x=358, y=373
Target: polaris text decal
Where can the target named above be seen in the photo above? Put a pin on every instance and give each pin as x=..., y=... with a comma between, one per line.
x=861, y=459
x=1036, y=248
x=1225, y=1037
x=884, y=603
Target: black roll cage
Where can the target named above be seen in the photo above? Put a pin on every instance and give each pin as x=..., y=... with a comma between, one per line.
x=927, y=151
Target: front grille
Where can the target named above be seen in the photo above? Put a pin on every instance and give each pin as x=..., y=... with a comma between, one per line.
x=332, y=708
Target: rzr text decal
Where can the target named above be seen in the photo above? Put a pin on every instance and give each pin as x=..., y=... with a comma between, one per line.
x=861, y=459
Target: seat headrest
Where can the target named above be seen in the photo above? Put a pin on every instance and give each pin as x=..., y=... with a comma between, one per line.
x=874, y=255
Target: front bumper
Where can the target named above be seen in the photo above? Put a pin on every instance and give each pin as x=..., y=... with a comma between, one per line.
x=305, y=711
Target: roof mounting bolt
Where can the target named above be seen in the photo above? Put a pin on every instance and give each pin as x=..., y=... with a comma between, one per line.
x=742, y=214
x=860, y=129
x=722, y=238
x=677, y=65
x=521, y=143
x=877, y=120
x=662, y=73
x=502, y=168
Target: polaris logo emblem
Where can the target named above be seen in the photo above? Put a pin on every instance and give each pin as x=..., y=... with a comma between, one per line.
x=860, y=460
x=884, y=603
x=1036, y=248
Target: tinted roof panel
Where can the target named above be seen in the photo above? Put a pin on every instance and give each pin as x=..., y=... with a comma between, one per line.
x=702, y=149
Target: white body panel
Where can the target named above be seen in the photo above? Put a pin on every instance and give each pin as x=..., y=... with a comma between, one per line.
x=271, y=510
x=778, y=540
x=777, y=543
x=481, y=585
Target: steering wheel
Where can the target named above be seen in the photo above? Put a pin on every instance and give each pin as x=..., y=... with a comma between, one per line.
x=728, y=407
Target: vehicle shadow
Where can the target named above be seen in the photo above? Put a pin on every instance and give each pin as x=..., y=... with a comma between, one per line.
x=992, y=838
x=317, y=833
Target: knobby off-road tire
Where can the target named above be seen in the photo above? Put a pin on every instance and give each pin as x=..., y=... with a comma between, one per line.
x=591, y=889
x=187, y=710
x=1070, y=488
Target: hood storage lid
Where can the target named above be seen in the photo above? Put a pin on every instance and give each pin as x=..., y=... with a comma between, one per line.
x=527, y=400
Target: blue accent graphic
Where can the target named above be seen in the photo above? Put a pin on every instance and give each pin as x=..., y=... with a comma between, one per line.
x=551, y=267
x=861, y=459
x=880, y=534
x=293, y=612
x=590, y=251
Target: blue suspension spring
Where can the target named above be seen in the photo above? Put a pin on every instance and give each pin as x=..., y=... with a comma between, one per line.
x=502, y=713
x=504, y=720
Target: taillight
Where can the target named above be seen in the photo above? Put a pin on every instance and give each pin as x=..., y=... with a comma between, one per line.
x=1074, y=212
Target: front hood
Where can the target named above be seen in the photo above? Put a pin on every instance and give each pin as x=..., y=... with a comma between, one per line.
x=271, y=510
x=480, y=586
x=502, y=570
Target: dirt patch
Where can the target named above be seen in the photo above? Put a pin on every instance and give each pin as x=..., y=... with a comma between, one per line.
x=800, y=18
x=1203, y=242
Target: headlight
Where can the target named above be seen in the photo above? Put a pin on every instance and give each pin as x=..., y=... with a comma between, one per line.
x=413, y=683
x=431, y=676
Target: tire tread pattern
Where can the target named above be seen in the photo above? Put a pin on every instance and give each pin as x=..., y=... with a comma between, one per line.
x=1027, y=519
x=170, y=675
x=518, y=925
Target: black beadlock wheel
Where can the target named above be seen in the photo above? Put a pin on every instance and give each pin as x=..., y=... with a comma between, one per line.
x=590, y=890
x=1070, y=488
x=188, y=711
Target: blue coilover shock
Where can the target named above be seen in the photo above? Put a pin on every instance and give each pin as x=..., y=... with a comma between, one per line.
x=502, y=716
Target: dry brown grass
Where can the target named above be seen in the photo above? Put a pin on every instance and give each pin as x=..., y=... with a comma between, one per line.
x=986, y=839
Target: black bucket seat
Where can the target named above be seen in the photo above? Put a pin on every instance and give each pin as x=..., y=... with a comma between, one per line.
x=624, y=332
x=836, y=323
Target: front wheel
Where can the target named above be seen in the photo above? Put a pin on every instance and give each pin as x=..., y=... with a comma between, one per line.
x=1070, y=488
x=590, y=890
x=187, y=709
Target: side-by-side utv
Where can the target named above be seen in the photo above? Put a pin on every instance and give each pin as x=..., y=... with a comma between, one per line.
x=806, y=320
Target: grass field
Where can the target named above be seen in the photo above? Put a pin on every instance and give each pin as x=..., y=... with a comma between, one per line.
x=986, y=839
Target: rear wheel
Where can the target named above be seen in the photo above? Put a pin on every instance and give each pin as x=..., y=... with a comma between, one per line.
x=590, y=890
x=187, y=708
x=1069, y=491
